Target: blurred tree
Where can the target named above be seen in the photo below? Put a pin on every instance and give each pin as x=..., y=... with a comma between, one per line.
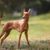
x=9, y=6
x=1, y=10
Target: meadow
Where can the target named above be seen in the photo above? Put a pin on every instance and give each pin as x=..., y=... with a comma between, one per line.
x=39, y=34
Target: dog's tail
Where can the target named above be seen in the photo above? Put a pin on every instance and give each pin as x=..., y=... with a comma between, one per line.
x=2, y=24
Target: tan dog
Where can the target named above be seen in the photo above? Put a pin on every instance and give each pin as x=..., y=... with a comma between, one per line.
x=19, y=25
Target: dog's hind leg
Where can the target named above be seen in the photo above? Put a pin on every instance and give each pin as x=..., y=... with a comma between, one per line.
x=5, y=36
x=1, y=34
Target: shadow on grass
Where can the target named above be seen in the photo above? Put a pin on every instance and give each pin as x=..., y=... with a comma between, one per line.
x=34, y=45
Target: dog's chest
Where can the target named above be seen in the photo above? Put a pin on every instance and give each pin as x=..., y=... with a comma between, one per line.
x=20, y=25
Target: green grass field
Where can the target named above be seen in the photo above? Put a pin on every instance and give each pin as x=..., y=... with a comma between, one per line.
x=39, y=33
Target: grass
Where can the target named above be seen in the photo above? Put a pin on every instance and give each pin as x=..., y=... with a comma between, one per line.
x=39, y=34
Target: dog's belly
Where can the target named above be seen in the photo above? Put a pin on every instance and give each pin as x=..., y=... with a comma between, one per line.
x=20, y=26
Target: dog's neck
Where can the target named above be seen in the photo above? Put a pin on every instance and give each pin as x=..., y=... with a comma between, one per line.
x=25, y=19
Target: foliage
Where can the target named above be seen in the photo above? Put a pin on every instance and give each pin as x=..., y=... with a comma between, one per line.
x=12, y=5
